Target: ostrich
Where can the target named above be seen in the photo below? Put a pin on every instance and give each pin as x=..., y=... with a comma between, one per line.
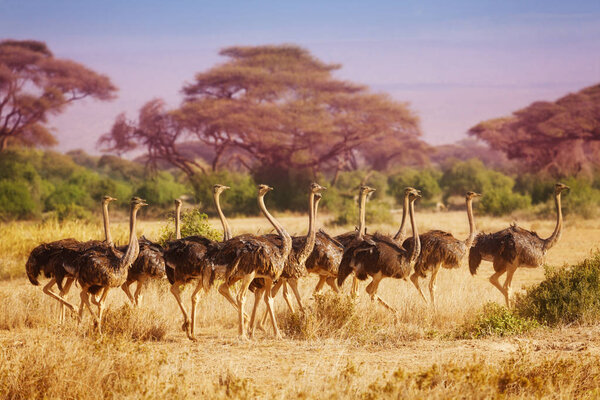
x=441, y=249
x=246, y=257
x=378, y=256
x=190, y=259
x=53, y=260
x=302, y=248
x=106, y=267
x=514, y=247
x=149, y=264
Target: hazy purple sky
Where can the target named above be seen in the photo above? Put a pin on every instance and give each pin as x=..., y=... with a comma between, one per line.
x=456, y=62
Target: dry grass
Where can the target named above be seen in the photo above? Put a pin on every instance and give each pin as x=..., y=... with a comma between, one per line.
x=339, y=349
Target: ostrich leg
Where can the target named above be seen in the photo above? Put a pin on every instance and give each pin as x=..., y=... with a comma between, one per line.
x=414, y=278
x=432, y=283
x=372, y=291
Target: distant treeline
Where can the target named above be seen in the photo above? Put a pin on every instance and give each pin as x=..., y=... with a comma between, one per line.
x=36, y=184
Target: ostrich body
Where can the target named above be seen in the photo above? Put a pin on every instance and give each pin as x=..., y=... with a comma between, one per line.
x=190, y=258
x=514, y=247
x=247, y=257
x=56, y=261
x=378, y=256
x=441, y=249
x=107, y=267
x=150, y=264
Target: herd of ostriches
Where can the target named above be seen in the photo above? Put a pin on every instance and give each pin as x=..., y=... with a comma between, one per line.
x=265, y=263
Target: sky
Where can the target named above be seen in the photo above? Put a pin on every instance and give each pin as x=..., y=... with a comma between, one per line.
x=455, y=62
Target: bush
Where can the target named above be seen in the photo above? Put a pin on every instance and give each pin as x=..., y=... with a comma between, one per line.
x=496, y=320
x=71, y=211
x=240, y=199
x=193, y=223
x=160, y=190
x=425, y=180
x=500, y=201
x=567, y=295
x=583, y=199
x=472, y=175
x=15, y=200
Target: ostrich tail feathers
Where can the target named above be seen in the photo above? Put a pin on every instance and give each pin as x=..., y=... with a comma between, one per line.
x=170, y=273
x=344, y=269
x=474, y=259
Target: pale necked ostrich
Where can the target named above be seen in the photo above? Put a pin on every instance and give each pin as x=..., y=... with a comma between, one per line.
x=190, y=258
x=255, y=257
x=441, y=249
x=379, y=256
x=514, y=247
x=302, y=248
x=55, y=260
x=106, y=267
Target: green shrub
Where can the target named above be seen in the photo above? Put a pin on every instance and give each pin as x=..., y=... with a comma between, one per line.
x=240, y=199
x=193, y=222
x=71, y=211
x=540, y=189
x=472, y=175
x=67, y=194
x=160, y=190
x=15, y=200
x=426, y=180
x=583, y=199
x=500, y=201
x=496, y=320
x=378, y=211
x=567, y=295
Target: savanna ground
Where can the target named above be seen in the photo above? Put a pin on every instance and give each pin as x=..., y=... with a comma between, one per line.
x=143, y=353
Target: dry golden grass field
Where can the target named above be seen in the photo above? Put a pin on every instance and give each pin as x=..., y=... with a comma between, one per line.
x=144, y=354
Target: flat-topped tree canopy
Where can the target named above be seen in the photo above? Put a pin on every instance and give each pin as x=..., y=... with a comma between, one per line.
x=561, y=137
x=35, y=84
x=276, y=106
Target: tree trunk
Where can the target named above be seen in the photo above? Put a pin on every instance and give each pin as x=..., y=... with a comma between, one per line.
x=4, y=143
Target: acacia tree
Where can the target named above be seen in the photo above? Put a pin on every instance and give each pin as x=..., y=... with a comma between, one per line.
x=559, y=138
x=276, y=107
x=34, y=84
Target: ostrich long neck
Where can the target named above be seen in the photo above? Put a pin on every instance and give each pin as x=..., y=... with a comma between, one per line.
x=107, y=236
x=416, y=248
x=471, y=237
x=178, y=221
x=361, y=216
x=133, y=249
x=401, y=234
x=309, y=243
x=551, y=241
x=285, y=237
x=226, y=228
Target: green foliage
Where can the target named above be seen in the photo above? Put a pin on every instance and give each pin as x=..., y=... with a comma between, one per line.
x=426, y=180
x=463, y=176
x=566, y=296
x=193, y=223
x=160, y=190
x=540, y=189
x=15, y=200
x=342, y=199
x=240, y=199
x=583, y=198
x=496, y=320
x=71, y=211
x=500, y=201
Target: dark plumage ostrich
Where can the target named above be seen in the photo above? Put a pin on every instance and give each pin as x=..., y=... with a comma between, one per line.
x=55, y=260
x=302, y=248
x=246, y=257
x=441, y=249
x=150, y=264
x=378, y=256
x=106, y=267
x=514, y=247
x=189, y=259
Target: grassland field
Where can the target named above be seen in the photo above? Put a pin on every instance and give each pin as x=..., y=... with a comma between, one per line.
x=144, y=353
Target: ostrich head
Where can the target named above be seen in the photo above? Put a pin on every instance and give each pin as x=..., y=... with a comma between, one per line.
x=366, y=190
x=560, y=187
x=264, y=189
x=318, y=196
x=472, y=195
x=316, y=188
x=411, y=190
x=218, y=188
x=415, y=195
x=138, y=203
x=107, y=199
x=178, y=202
